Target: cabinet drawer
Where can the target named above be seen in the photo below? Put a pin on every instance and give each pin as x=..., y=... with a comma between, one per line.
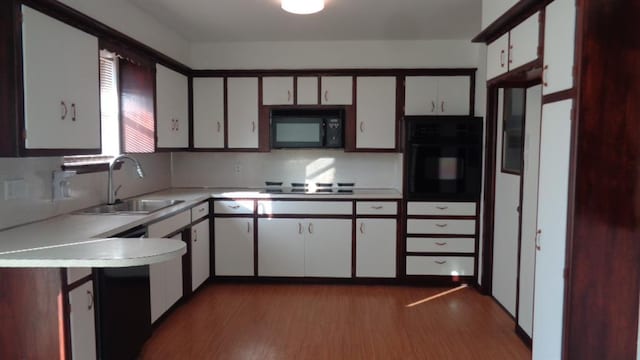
x=440, y=265
x=305, y=207
x=441, y=208
x=199, y=211
x=442, y=245
x=376, y=208
x=441, y=226
x=233, y=207
x=170, y=225
x=75, y=274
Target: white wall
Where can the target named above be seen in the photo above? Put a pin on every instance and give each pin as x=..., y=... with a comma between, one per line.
x=220, y=169
x=130, y=20
x=86, y=190
x=334, y=54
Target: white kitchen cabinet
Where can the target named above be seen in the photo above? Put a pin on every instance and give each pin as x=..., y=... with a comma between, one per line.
x=437, y=95
x=233, y=243
x=376, y=112
x=277, y=90
x=515, y=48
x=336, y=90
x=200, y=253
x=304, y=247
x=327, y=248
x=82, y=322
x=208, y=113
x=559, y=46
x=242, y=113
x=172, y=108
x=61, y=84
x=376, y=248
x=493, y=9
x=281, y=247
x=553, y=197
x=307, y=90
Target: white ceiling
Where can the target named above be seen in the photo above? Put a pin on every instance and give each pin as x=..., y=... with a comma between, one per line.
x=263, y=20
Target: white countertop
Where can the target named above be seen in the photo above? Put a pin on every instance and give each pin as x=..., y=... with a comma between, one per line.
x=74, y=240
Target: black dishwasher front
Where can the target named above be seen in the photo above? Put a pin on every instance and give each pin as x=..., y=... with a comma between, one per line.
x=124, y=315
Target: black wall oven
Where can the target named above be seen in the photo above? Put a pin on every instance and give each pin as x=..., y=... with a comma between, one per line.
x=443, y=158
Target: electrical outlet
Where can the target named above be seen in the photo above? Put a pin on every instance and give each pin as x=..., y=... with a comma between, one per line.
x=15, y=189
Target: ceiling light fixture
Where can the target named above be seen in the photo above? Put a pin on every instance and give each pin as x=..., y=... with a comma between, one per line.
x=302, y=7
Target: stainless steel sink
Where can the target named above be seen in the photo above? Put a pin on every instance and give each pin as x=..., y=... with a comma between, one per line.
x=132, y=206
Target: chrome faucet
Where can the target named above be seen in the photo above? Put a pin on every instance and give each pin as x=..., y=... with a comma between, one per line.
x=111, y=196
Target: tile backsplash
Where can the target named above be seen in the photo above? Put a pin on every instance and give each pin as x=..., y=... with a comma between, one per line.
x=253, y=169
x=86, y=189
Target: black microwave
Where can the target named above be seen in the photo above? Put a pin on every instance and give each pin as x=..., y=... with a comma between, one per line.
x=303, y=128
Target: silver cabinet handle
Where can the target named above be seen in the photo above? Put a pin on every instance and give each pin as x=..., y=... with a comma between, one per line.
x=433, y=106
x=299, y=228
x=442, y=106
x=326, y=95
x=362, y=228
x=442, y=207
x=377, y=207
x=63, y=108
x=248, y=227
x=195, y=235
x=73, y=114
x=502, y=58
x=253, y=126
x=234, y=206
x=177, y=124
x=90, y=297
x=361, y=126
x=440, y=262
x=441, y=243
x=545, y=73
x=441, y=225
x=219, y=126
x=173, y=124
x=310, y=228
x=510, y=54
x=538, y=233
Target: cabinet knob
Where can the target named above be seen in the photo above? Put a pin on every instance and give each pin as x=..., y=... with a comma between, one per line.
x=362, y=228
x=73, y=113
x=502, y=58
x=377, y=207
x=195, y=235
x=288, y=95
x=253, y=126
x=538, y=233
x=442, y=106
x=63, y=108
x=433, y=106
x=510, y=54
x=299, y=228
x=90, y=298
x=248, y=227
x=310, y=228
x=361, y=126
x=234, y=206
x=442, y=207
x=440, y=262
x=441, y=243
x=326, y=95
x=441, y=225
x=545, y=72
x=219, y=126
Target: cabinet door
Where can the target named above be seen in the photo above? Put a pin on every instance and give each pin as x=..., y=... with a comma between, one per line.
x=200, y=250
x=156, y=290
x=173, y=278
x=337, y=90
x=376, y=247
x=281, y=247
x=82, y=321
x=453, y=95
x=233, y=246
x=555, y=141
x=376, y=113
x=523, y=47
x=559, y=46
x=208, y=113
x=421, y=95
x=172, y=93
x=242, y=113
x=61, y=84
x=307, y=91
x=277, y=90
x=165, y=284
x=327, y=248
x=493, y=9
x=497, y=57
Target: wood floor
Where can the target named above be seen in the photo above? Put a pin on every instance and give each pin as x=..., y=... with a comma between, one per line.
x=240, y=321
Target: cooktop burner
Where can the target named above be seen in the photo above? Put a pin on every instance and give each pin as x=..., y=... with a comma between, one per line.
x=275, y=187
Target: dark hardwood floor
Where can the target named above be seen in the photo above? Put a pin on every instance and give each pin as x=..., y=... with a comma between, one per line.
x=251, y=321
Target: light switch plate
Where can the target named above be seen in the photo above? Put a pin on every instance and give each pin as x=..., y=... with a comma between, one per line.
x=15, y=189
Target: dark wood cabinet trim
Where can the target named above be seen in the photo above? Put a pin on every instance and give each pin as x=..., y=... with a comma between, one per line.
x=510, y=19
x=334, y=72
x=10, y=79
x=559, y=96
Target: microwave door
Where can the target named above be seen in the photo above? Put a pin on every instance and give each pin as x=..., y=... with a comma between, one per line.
x=297, y=133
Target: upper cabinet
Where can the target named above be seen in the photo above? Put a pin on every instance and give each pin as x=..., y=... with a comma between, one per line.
x=242, y=112
x=515, y=48
x=376, y=112
x=336, y=90
x=307, y=91
x=61, y=86
x=208, y=113
x=559, y=40
x=437, y=95
x=172, y=99
x=277, y=90
x=493, y=9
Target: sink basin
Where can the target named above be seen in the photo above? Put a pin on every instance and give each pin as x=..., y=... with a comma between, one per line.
x=132, y=206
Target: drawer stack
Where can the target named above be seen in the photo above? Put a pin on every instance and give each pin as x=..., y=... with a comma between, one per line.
x=441, y=239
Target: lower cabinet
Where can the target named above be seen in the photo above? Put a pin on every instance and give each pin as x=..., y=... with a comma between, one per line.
x=82, y=320
x=200, y=254
x=304, y=247
x=376, y=247
x=165, y=280
x=233, y=246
